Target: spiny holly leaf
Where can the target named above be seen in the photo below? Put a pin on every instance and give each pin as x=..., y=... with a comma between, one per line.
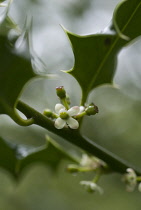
x=95, y=55
x=15, y=72
x=95, y=60
x=50, y=154
x=15, y=158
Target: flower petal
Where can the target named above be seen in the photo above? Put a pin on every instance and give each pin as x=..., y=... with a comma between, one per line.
x=72, y=123
x=74, y=110
x=58, y=107
x=59, y=123
x=82, y=108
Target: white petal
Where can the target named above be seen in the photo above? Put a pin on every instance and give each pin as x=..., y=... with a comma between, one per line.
x=72, y=123
x=74, y=110
x=59, y=123
x=58, y=107
x=82, y=108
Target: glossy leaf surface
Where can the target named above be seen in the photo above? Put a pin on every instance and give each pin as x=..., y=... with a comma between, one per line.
x=96, y=55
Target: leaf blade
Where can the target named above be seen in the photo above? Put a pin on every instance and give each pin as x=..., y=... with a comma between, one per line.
x=16, y=158
x=95, y=55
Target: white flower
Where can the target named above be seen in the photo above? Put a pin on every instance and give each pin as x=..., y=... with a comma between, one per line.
x=130, y=178
x=91, y=186
x=65, y=116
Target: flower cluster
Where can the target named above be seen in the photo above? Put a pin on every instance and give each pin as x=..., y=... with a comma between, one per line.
x=86, y=164
x=131, y=180
x=65, y=116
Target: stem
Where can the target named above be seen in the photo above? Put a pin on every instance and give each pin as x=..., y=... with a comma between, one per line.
x=12, y=112
x=97, y=176
x=83, y=99
x=79, y=116
x=64, y=102
x=73, y=136
x=20, y=121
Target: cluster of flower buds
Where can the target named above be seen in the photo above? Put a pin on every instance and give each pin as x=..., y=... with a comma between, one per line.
x=87, y=164
x=131, y=180
x=65, y=116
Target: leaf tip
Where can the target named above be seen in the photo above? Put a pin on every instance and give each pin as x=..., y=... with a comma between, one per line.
x=66, y=71
x=63, y=27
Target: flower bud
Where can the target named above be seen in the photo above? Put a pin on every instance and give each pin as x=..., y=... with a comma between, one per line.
x=60, y=91
x=72, y=168
x=92, y=109
x=49, y=113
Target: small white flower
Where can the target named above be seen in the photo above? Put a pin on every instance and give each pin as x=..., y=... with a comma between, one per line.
x=65, y=116
x=91, y=186
x=130, y=178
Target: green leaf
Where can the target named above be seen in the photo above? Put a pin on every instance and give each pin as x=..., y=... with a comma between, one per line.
x=50, y=154
x=15, y=158
x=95, y=55
x=128, y=25
x=15, y=72
x=8, y=159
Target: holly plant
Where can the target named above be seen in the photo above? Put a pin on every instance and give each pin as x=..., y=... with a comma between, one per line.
x=95, y=60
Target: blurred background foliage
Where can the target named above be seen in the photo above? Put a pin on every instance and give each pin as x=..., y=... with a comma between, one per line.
x=117, y=126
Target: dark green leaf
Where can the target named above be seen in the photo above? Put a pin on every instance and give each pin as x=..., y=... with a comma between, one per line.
x=50, y=154
x=8, y=159
x=15, y=72
x=95, y=55
x=15, y=158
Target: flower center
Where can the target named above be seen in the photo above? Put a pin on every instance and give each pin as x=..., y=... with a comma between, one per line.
x=64, y=115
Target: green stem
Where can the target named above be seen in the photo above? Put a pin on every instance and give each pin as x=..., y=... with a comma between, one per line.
x=20, y=121
x=79, y=116
x=12, y=112
x=64, y=102
x=73, y=136
x=83, y=99
x=97, y=176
